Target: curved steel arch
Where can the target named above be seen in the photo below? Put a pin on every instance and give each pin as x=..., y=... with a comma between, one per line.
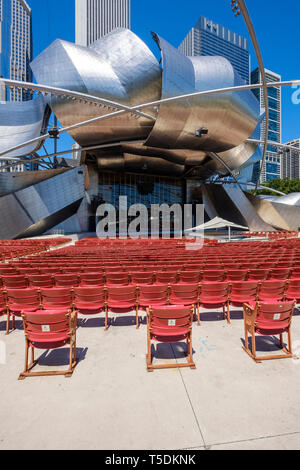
x=246, y=15
x=135, y=108
x=61, y=92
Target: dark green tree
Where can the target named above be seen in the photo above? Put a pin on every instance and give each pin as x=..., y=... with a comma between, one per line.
x=285, y=186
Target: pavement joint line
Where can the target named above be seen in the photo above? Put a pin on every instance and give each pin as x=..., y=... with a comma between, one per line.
x=190, y=401
x=246, y=440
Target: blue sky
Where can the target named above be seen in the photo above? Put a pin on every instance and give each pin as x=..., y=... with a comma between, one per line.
x=276, y=24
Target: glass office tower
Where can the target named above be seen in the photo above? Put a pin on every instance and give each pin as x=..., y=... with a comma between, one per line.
x=211, y=39
x=15, y=46
x=96, y=18
x=290, y=161
x=272, y=165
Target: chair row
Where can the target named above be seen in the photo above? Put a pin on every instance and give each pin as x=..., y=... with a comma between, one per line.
x=65, y=268
x=91, y=300
x=143, y=277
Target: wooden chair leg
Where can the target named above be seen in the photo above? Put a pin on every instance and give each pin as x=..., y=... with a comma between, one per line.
x=137, y=317
x=281, y=341
x=26, y=368
x=254, y=346
x=149, y=355
x=193, y=366
x=8, y=323
x=106, y=318
x=290, y=345
x=246, y=339
x=199, y=319
x=228, y=313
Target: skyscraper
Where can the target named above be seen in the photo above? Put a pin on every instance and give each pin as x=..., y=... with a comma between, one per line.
x=15, y=46
x=96, y=18
x=272, y=165
x=211, y=39
x=290, y=162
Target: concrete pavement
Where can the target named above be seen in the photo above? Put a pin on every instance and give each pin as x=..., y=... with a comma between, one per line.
x=111, y=402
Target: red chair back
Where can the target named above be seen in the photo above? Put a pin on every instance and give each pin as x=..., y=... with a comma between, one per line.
x=15, y=282
x=166, y=277
x=92, y=279
x=45, y=327
x=120, y=278
x=170, y=322
x=272, y=290
x=184, y=294
x=41, y=281
x=281, y=274
x=57, y=298
x=293, y=290
x=88, y=297
x=189, y=277
x=275, y=317
x=23, y=300
x=122, y=295
x=237, y=275
x=213, y=276
x=66, y=280
x=142, y=278
x=151, y=295
x=258, y=274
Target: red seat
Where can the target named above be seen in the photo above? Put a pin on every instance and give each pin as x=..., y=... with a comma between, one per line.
x=214, y=295
x=116, y=270
x=242, y=293
x=268, y=319
x=295, y=273
x=8, y=271
x=194, y=267
x=89, y=300
x=134, y=269
x=28, y=271
x=184, y=294
x=281, y=274
x=139, y=278
x=66, y=280
x=72, y=270
x=271, y=291
x=258, y=274
x=213, y=276
x=189, y=277
x=237, y=275
x=49, y=330
x=50, y=271
x=122, y=299
x=157, y=296
x=57, y=299
x=41, y=281
x=286, y=265
x=21, y=300
x=292, y=292
x=91, y=279
x=15, y=282
x=166, y=277
x=120, y=279
x=171, y=324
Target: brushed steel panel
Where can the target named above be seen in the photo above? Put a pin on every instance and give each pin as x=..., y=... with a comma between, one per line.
x=278, y=214
x=20, y=122
x=118, y=67
x=33, y=205
x=229, y=117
